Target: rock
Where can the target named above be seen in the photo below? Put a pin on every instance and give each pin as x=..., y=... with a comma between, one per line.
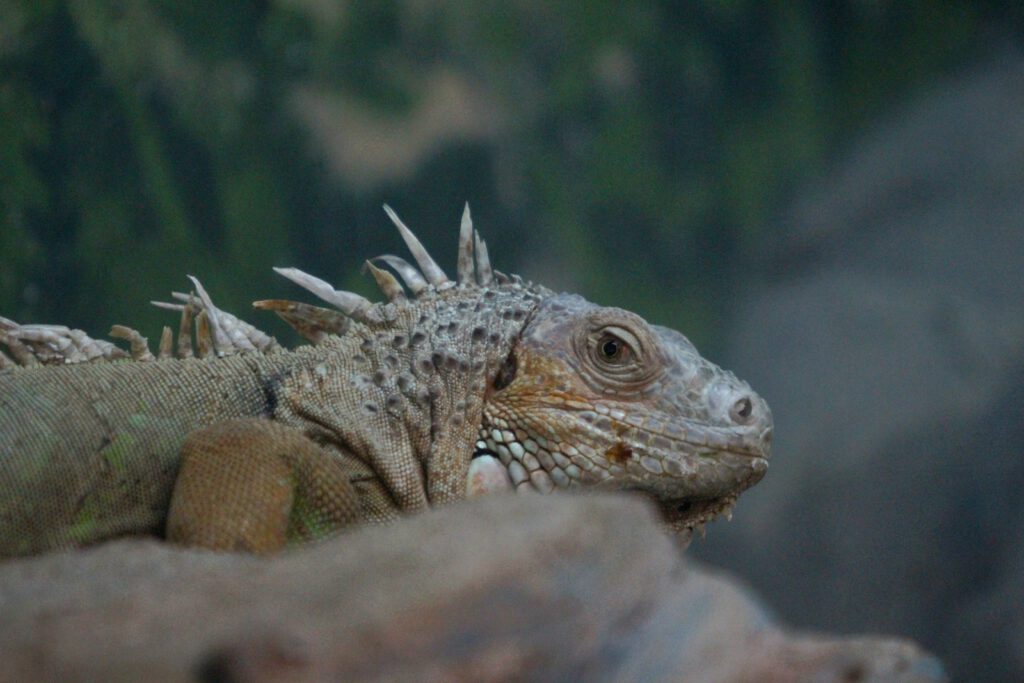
x=709, y=628
x=887, y=334
x=469, y=591
x=540, y=588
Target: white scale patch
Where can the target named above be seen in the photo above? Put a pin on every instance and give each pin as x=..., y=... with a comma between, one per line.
x=527, y=462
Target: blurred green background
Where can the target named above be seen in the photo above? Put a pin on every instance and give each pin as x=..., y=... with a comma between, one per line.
x=632, y=151
x=644, y=154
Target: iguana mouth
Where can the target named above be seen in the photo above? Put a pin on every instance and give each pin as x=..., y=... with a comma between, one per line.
x=675, y=459
x=655, y=431
x=680, y=435
x=613, y=455
x=683, y=516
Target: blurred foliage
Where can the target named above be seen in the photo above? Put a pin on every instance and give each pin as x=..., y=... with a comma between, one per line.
x=634, y=151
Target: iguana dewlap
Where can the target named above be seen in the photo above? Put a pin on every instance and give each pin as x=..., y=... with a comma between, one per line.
x=444, y=390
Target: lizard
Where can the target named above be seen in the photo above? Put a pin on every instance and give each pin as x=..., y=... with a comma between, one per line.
x=441, y=391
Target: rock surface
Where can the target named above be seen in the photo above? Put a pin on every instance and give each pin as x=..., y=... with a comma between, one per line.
x=888, y=336
x=553, y=588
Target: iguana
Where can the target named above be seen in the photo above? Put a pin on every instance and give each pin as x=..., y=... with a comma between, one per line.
x=442, y=391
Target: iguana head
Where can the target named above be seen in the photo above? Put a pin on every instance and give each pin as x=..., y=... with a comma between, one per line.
x=596, y=396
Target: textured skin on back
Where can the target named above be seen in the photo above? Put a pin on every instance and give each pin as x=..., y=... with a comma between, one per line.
x=91, y=451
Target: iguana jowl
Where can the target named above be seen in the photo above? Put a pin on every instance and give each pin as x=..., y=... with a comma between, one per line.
x=467, y=387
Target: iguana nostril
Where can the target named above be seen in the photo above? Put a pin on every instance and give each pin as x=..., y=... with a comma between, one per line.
x=742, y=410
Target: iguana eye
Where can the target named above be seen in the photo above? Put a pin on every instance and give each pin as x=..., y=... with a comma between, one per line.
x=613, y=349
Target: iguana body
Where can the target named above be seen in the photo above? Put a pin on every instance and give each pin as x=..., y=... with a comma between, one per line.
x=254, y=446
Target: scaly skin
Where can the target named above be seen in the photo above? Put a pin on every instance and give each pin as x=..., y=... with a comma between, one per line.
x=468, y=388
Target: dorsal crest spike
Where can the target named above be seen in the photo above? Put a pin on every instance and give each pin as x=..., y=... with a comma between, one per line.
x=51, y=344
x=348, y=303
x=204, y=342
x=218, y=335
x=386, y=281
x=228, y=333
x=312, y=322
x=184, y=347
x=412, y=277
x=466, y=271
x=166, y=349
x=139, y=344
x=484, y=274
x=431, y=271
x=232, y=334
x=185, y=333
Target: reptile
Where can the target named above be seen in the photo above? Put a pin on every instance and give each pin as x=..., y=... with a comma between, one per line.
x=441, y=391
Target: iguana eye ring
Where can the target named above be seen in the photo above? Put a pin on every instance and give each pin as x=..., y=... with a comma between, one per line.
x=615, y=352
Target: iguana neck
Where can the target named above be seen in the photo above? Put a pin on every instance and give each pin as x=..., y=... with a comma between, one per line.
x=411, y=382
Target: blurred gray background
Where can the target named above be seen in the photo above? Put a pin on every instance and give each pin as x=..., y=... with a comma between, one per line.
x=826, y=197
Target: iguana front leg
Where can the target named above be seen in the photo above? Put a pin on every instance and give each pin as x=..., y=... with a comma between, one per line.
x=253, y=485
